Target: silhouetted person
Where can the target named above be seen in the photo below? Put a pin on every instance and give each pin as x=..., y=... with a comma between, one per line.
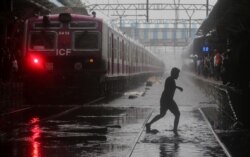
x=167, y=102
x=217, y=64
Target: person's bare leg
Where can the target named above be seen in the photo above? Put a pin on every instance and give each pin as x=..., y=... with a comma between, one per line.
x=176, y=122
x=175, y=110
x=156, y=118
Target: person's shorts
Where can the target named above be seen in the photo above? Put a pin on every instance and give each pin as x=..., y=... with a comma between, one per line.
x=172, y=106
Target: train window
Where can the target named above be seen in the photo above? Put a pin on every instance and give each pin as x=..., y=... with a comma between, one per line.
x=42, y=40
x=51, y=25
x=125, y=52
x=115, y=47
x=85, y=25
x=121, y=50
x=118, y=48
x=86, y=40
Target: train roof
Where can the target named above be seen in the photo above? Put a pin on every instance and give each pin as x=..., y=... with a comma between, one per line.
x=55, y=17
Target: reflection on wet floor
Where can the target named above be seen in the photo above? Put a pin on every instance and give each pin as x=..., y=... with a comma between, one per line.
x=195, y=139
x=11, y=121
x=36, y=135
x=88, y=131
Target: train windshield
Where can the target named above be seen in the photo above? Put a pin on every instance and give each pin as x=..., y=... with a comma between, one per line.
x=86, y=40
x=42, y=41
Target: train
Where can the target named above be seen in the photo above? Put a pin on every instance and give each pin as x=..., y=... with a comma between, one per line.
x=71, y=54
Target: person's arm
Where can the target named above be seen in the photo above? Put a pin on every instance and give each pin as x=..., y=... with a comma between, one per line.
x=180, y=88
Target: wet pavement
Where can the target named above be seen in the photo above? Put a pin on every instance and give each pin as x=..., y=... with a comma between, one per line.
x=88, y=131
x=195, y=137
x=112, y=128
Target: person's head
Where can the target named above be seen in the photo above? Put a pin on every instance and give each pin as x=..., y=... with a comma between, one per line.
x=175, y=72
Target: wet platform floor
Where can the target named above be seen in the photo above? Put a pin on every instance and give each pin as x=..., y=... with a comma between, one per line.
x=194, y=138
x=87, y=131
x=111, y=128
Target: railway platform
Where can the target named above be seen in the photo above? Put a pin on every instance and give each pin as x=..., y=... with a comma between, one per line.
x=196, y=137
x=204, y=129
x=116, y=127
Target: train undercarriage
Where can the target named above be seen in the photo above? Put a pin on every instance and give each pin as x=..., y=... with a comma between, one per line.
x=68, y=89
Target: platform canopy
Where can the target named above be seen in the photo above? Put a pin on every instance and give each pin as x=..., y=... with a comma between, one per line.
x=227, y=16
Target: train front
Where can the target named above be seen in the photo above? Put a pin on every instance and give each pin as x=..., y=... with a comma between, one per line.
x=62, y=55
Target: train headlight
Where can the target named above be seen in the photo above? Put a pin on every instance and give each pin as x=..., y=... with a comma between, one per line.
x=91, y=60
x=35, y=61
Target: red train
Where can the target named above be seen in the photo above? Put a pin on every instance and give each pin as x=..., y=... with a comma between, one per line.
x=82, y=53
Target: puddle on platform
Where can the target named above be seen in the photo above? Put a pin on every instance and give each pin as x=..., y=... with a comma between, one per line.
x=89, y=131
x=194, y=139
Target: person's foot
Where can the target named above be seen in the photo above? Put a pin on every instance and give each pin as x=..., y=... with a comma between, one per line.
x=147, y=127
x=175, y=132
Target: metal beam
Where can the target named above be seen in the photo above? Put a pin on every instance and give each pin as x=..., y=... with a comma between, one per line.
x=155, y=6
x=147, y=10
x=160, y=21
x=126, y=15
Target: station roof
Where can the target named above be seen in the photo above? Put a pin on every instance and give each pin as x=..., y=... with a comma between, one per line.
x=227, y=15
x=47, y=5
x=72, y=3
x=23, y=7
x=44, y=4
x=26, y=8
